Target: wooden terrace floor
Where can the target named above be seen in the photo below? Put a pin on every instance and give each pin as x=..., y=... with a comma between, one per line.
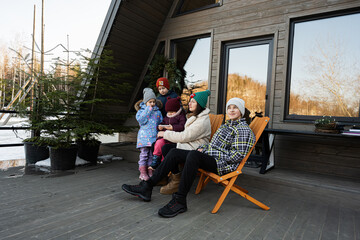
x=88, y=203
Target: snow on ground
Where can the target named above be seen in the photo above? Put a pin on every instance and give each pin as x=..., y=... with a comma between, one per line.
x=13, y=136
x=46, y=162
x=18, y=153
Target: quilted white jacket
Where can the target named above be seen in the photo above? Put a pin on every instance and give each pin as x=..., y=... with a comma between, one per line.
x=197, y=132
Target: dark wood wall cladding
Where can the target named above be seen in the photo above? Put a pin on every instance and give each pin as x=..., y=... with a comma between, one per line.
x=140, y=24
x=238, y=20
x=132, y=37
x=325, y=155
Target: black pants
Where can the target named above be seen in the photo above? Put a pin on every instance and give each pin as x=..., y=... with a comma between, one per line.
x=192, y=160
x=167, y=147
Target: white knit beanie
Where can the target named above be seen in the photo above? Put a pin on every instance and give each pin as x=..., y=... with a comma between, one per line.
x=237, y=102
x=148, y=94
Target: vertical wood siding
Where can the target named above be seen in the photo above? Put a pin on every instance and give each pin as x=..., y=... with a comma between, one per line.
x=236, y=20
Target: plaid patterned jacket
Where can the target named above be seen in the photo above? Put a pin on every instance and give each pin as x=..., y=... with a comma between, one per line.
x=230, y=144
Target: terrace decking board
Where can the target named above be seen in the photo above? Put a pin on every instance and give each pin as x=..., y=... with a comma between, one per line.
x=89, y=204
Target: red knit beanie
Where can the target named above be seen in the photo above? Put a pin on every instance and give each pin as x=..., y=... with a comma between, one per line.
x=163, y=81
x=172, y=104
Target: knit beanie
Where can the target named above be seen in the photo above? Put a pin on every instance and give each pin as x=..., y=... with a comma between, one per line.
x=163, y=81
x=172, y=104
x=201, y=97
x=237, y=102
x=148, y=94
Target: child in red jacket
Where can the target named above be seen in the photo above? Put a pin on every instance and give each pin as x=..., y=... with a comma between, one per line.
x=174, y=121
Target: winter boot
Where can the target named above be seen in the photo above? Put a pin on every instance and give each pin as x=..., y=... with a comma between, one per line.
x=163, y=181
x=143, y=190
x=143, y=173
x=155, y=162
x=174, y=207
x=173, y=184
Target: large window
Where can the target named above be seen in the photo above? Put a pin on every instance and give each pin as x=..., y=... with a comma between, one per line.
x=188, y=6
x=324, y=70
x=247, y=74
x=193, y=55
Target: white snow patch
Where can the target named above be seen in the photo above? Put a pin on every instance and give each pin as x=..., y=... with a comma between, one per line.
x=117, y=158
x=47, y=163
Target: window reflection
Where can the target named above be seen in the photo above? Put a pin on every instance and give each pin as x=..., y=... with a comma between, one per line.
x=193, y=56
x=247, y=76
x=325, y=74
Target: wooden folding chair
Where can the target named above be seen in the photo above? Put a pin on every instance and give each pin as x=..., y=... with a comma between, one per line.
x=215, y=121
x=228, y=180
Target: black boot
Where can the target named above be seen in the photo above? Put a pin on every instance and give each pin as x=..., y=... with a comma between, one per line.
x=174, y=207
x=143, y=190
x=155, y=162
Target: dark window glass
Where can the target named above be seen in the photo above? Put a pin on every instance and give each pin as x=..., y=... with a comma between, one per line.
x=186, y=6
x=160, y=49
x=193, y=55
x=324, y=72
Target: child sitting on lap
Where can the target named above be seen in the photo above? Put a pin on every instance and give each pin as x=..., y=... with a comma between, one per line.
x=174, y=121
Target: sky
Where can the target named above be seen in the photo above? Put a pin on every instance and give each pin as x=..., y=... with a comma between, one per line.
x=251, y=61
x=196, y=66
x=335, y=35
x=81, y=20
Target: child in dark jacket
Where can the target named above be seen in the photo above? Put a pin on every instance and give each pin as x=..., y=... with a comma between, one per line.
x=174, y=121
x=163, y=86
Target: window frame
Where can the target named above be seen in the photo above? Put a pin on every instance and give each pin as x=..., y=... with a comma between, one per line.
x=309, y=18
x=225, y=48
x=180, y=3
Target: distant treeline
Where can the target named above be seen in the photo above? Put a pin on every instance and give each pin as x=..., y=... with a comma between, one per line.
x=253, y=93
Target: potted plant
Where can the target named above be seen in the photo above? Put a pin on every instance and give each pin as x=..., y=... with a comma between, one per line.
x=92, y=120
x=59, y=121
x=70, y=107
x=326, y=124
x=78, y=101
x=34, y=146
x=87, y=133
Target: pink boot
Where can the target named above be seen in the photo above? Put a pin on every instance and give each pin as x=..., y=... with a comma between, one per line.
x=143, y=173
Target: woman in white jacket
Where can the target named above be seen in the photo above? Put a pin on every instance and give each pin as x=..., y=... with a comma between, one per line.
x=197, y=132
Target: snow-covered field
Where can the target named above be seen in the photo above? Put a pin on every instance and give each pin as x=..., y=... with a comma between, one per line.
x=17, y=153
x=10, y=136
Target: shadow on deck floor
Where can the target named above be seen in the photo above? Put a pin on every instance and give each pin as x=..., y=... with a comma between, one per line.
x=88, y=203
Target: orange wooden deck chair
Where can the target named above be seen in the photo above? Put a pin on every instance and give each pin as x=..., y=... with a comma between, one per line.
x=228, y=180
x=215, y=121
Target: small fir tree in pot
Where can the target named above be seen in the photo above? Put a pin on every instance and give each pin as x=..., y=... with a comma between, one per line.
x=101, y=86
x=33, y=106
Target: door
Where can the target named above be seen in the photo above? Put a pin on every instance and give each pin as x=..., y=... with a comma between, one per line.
x=246, y=73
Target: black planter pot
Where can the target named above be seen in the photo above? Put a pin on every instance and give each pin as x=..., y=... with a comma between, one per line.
x=63, y=158
x=35, y=153
x=88, y=151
